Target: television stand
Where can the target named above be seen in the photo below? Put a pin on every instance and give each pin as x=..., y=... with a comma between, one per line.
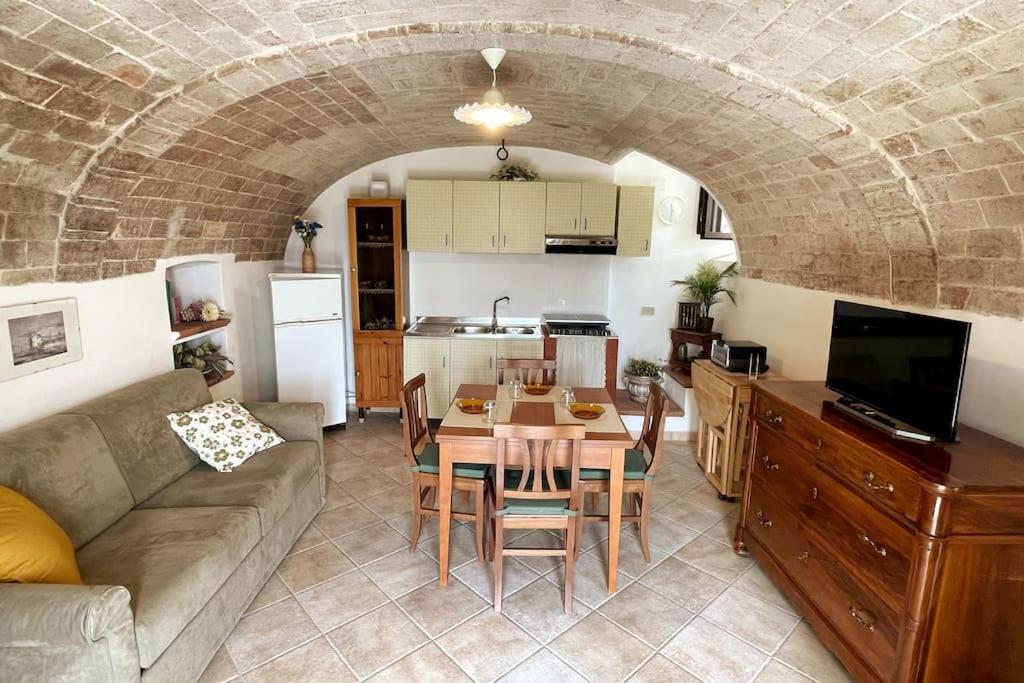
x=879, y=420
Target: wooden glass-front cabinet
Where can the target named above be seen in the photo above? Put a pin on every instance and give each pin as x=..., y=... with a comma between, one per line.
x=375, y=249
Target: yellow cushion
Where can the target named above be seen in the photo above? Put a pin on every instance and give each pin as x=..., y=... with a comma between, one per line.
x=33, y=548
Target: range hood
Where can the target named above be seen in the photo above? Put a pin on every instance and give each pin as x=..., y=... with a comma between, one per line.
x=575, y=244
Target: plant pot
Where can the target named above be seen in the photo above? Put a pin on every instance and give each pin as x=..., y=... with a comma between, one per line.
x=308, y=260
x=705, y=323
x=640, y=387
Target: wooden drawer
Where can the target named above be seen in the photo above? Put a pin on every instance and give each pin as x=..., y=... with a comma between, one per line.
x=873, y=545
x=868, y=625
x=879, y=478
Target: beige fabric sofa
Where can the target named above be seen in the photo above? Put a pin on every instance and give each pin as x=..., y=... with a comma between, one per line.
x=171, y=552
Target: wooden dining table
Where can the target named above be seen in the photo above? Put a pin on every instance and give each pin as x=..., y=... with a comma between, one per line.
x=466, y=438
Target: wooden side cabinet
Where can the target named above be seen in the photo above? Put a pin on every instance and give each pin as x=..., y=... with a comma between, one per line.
x=377, y=312
x=723, y=423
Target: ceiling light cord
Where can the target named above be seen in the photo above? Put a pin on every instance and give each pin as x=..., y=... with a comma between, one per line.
x=494, y=78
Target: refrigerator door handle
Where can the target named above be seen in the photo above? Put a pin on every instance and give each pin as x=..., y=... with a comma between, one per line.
x=297, y=323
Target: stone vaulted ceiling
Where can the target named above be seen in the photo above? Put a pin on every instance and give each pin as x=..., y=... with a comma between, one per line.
x=870, y=147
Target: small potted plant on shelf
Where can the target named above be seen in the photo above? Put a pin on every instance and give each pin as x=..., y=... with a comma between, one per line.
x=704, y=286
x=639, y=376
x=205, y=357
x=514, y=173
x=307, y=231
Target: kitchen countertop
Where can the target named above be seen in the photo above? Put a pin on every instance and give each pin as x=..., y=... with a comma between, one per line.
x=440, y=326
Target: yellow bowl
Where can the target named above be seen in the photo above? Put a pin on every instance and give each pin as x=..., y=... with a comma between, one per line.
x=470, y=406
x=537, y=389
x=586, y=411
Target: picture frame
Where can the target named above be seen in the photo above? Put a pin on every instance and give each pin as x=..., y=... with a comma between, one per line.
x=38, y=336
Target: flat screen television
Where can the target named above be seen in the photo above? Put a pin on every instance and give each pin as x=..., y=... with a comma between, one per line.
x=907, y=366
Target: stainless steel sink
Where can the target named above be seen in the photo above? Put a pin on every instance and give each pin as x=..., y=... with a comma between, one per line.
x=472, y=329
x=515, y=330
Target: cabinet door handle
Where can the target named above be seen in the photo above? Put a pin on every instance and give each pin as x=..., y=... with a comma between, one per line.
x=863, y=617
x=880, y=549
x=803, y=556
x=647, y=246
x=444, y=361
x=446, y=239
x=768, y=464
x=869, y=480
x=490, y=362
x=504, y=240
x=584, y=225
x=763, y=520
x=574, y=224
x=818, y=443
x=772, y=417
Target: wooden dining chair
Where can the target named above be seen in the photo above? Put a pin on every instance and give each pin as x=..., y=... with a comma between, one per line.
x=529, y=370
x=537, y=495
x=424, y=458
x=642, y=462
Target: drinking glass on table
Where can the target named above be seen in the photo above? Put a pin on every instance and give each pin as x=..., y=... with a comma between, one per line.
x=516, y=385
x=490, y=412
x=568, y=396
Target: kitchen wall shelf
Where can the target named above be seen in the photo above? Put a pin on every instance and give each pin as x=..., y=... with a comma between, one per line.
x=376, y=290
x=214, y=379
x=195, y=330
x=376, y=245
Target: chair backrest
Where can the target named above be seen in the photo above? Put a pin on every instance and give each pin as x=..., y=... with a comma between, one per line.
x=414, y=416
x=529, y=370
x=538, y=480
x=652, y=435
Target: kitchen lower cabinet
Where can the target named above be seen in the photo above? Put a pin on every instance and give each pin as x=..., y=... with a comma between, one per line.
x=472, y=362
x=378, y=371
x=636, y=220
x=516, y=348
x=430, y=356
x=428, y=216
x=475, y=216
x=521, y=218
x=597, y=209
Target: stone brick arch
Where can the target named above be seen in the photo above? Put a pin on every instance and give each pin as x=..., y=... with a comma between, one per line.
x=868, y=149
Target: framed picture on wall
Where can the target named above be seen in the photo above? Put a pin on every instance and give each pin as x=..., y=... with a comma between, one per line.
x=38, y=336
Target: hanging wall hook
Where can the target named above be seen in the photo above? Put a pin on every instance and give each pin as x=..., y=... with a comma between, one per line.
x=502, y=152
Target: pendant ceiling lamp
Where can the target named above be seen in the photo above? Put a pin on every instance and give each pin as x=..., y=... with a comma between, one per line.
x=494, y=111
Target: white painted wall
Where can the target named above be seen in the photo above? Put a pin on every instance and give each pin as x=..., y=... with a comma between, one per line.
x=126, y=338
x=466, y=284
x=795, y=325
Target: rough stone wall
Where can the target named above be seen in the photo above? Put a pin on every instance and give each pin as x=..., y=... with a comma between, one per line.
x=864, y=147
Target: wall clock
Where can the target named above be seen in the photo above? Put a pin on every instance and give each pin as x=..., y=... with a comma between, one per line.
x=670, y=210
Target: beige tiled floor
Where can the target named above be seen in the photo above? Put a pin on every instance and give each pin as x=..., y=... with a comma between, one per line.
x=350, y=602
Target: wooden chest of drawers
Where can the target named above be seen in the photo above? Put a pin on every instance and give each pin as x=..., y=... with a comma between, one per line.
x=907, y=559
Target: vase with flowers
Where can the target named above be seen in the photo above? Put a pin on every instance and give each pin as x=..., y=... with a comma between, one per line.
x=307, y=231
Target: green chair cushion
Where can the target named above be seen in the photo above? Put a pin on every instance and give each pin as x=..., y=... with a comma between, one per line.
x=636, y=467
x=535, y=507
x=429, y=462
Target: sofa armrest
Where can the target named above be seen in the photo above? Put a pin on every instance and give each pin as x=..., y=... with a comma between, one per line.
x=49, y=631
x=294, y=422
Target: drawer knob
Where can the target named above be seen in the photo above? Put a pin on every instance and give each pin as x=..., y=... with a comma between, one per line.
x=863, y=617
x=818, y=443
x=880, y=549
x=772, y=417
x=803, y=556
x=768, y=464
x=763, y=520
x=869, y=479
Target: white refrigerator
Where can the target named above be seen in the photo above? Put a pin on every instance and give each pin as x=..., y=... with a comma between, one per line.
x=309, y=341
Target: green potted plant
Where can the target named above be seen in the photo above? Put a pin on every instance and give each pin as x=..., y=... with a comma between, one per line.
x=205, y=357
x=514, y=173
x=704, y=287
x=639, y=376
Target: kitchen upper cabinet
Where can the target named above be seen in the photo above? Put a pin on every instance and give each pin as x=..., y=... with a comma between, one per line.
x=562, y=213
x=521, y=217
x=597, y=209
x=428, y=215
x=472, y=362
x=636, y=218
x=429, y=355
x=475, y=216
x=518, y=348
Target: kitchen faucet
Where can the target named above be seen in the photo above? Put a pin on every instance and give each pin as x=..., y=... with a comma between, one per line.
x=494, y=313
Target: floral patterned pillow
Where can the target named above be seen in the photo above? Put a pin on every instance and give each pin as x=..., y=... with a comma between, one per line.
x=223, y=433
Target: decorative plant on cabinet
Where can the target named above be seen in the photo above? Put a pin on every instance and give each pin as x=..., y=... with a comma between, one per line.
x=378, y=317
x=704, y=286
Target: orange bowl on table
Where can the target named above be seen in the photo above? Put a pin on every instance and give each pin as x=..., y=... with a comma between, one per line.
x=586, y=411
x=470, y=406
x=537, y=389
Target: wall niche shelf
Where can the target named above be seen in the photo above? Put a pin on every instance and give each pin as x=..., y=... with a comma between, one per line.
x=213, y=379
x=186, y=332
